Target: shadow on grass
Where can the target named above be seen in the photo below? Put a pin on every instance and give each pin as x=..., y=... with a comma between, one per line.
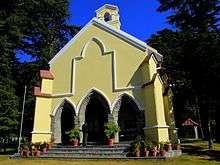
x=207, y=154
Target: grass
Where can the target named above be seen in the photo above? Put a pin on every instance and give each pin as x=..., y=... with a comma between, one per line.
x=195, y=152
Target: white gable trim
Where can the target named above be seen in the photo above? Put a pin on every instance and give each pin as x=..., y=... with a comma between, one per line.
x=107, y=6
x=119, y=33
x=114, y=68
x=70, y=42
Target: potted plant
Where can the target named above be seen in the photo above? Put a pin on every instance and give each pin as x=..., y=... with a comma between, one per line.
x=154, y=150
x=110, y=131
x=177, y=145
x=136, y=146
x=25, y=152
x=162, y=150
x=37, y=149
x=74, y=135
x=43, y=147
x=168, y=146
x=146, y=146
x=50, y=143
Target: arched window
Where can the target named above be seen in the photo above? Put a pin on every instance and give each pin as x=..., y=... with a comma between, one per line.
x=107, y=17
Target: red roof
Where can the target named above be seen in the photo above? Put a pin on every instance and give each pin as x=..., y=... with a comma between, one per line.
x=38, y=93
x=189, y=122
x=46, y=74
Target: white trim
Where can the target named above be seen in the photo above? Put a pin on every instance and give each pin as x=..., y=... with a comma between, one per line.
x=140, y=107
x=107, y=6
x=62, y=101
x=119, y=33
x=87, y=93
x=82, y=56
x=114, y=65
x=156, y=126
x=41, y=132
x=70, y=42
x=62, y=95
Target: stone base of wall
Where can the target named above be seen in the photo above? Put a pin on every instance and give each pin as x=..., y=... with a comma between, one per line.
x=173, y=153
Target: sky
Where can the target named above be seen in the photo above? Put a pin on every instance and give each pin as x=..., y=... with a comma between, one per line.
x=138, y=17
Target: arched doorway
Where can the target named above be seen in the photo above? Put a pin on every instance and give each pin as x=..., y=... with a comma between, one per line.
x=94, y=110
x=130, y=118
x=63, y=121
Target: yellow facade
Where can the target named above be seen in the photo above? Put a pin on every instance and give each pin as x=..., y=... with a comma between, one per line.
x=102, y=58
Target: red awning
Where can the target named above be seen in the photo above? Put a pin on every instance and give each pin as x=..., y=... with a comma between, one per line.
x=189, y=122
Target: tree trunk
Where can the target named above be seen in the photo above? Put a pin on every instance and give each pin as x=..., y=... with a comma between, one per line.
x=210, y=135
x=199, y=117
x=4, y=146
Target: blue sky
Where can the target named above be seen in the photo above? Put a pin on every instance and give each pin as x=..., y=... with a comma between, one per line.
x=138, y=18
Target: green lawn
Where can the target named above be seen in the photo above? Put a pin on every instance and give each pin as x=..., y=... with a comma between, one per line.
x=195, y=153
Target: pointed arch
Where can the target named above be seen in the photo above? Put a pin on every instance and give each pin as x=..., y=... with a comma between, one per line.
x=98, y=42
x=129, y=115
x=94, y=109
x=61, y=103
x=88, y=93
x=119, y=98
x=62, y=120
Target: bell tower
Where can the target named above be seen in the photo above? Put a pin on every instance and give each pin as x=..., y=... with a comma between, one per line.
x=109, y=14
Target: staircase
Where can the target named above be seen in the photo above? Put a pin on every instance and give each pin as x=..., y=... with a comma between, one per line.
x=89, y=152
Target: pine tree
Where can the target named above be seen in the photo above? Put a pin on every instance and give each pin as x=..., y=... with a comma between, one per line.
x=46, y=29
x=35, y=28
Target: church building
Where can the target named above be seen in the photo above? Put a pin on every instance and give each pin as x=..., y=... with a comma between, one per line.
x=104, y=74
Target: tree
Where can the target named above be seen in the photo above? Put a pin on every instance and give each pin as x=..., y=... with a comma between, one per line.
x=197, y=16
x=45, y=31
x=9, y=37
x=45, y=28
x=34, y=28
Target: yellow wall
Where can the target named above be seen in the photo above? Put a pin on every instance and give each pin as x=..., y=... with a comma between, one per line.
x=41, y=131
x=46, y=86
x=97, y=51
x=127, y=58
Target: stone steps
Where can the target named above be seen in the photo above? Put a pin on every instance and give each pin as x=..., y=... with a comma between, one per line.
x=90, y=151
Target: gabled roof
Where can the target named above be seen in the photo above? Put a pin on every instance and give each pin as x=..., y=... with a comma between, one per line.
x=189, y=122
x=119, y=33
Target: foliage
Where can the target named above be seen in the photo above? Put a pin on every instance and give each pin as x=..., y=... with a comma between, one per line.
x=147, y=144
x=137, y=144
x=111, y=129
x=161, y=145
x=43, y=145
x=38, y=29
x=9, y=102
x=192, y=15
x=73, y=133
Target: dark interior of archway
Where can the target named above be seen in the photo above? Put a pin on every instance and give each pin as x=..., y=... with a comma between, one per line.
x=127, y=119
x=96, y=116
x=67, y=121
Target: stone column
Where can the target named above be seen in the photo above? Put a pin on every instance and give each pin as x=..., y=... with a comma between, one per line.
x=56, y=126
x=116, y=109
x=81, y=116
